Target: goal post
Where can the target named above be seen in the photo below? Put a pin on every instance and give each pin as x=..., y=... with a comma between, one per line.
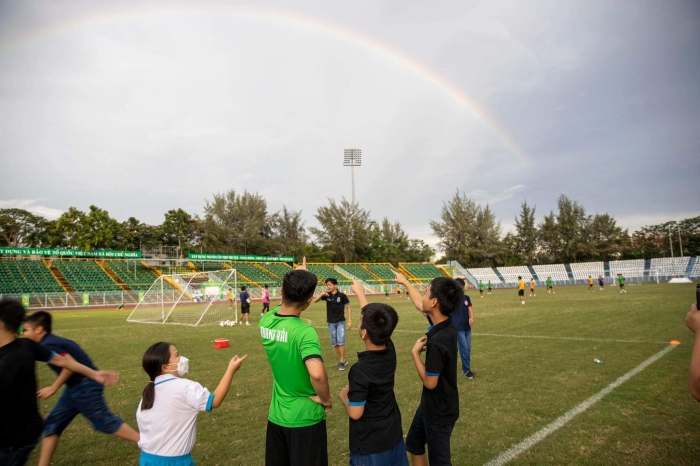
x=193, y=299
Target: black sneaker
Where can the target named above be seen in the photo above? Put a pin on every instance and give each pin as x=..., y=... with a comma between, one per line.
x=341, y=366
x=469, y=374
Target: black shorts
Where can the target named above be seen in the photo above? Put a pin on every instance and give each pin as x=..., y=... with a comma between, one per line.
x=296, y=446
x=521, y=292
x=245, y=308
x=435, y=435
x=266, y=306
x=622, y=285
x=489, y=289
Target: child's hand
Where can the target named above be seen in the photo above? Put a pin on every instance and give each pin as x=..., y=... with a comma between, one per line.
x=692, y=319
x=107, y=378
x=343, y=395
x=235, y=363
x=45, y=393
x=419, y=347
x=400, y=278
x=357, y=288
x=303, y=264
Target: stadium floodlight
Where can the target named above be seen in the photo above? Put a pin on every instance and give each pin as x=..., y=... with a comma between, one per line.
x=352, y=158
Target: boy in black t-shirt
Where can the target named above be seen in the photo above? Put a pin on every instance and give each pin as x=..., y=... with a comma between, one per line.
x=337, y=303
x=439, y=404
x=20, y=422
x=376, y=436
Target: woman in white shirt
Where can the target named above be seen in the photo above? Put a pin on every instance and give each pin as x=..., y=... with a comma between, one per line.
x=167, y=413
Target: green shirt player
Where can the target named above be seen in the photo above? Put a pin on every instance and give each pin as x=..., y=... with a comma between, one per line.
x=481, y=288
x=489, y=287
x=296, y=426
x=550, y=289
x=621, y=281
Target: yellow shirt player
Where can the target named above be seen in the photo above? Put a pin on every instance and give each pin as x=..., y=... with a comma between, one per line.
x=532, y=287
x=230, y=298
x=521, y=290
x=590, y=284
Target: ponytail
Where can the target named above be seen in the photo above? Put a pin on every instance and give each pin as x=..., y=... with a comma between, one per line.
x=153, y=360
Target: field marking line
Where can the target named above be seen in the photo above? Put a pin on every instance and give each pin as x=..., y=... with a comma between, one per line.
x=567, y=338
x=564, y=419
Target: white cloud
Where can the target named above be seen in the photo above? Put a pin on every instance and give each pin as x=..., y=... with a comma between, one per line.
x=32, y=206
x=494, y=197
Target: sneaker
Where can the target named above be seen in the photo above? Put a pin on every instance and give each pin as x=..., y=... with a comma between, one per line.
x=341, y=365
x=469, y=374
x=247, y=323
x=262, y=314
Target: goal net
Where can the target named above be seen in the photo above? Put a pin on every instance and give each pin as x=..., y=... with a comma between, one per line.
x=196, y=298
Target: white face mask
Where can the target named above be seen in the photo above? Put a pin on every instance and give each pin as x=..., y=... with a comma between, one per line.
x=183, y=366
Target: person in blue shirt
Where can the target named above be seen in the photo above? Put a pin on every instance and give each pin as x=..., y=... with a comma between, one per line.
x=245, y=306
x=463, y=319
x=81, y=396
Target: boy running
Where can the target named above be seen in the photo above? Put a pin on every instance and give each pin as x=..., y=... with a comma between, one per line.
x=532, y=287
x=376, y=436
x=521, y=290
x=621, y=281
x=439, y=405
x=265, y=301
x=81, y=396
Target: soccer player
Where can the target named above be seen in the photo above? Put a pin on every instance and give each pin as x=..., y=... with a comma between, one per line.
x=167, y=413
x=81, y=396
x=489, y=287
x=20, y=422
x=439, y=406
x=550, y=288
x=532, y=287
x=386, y=292
x=621, y=281
x=376, y=436
x=521, y=290
x=590, y=284
x=301, y=398
x=336, y=303
x=245, y=305
x=601, y=282
x=481, y=289
x=463, y=319
x=230, y=298
x=265, y=301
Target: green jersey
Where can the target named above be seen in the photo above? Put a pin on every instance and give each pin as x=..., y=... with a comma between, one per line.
x=489, y=284
x=481, y=286
x=549, y=282
x=288, y=342
x=621, y=279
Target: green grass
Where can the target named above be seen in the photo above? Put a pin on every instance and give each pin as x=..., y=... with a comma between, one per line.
x=522, y=383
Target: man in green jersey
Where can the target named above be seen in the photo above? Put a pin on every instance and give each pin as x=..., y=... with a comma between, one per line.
x=296, y=426
x=481, y=288
x=621, y=281
x=488, y=286
x=549, y=285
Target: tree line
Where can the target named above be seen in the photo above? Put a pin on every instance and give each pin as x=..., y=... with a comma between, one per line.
x=240, y=223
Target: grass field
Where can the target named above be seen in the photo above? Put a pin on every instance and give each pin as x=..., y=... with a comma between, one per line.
x=533, y=363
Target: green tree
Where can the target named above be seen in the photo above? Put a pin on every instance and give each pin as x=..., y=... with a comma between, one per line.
x=548, y=241
x=288, y=233
x=179, y=229
x=236, y=223
x=526, y=234
x=345, y=230
x=457, y=228
x=607, y=237
x=19, y=227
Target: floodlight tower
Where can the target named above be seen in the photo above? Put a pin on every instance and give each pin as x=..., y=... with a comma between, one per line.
x=352, y=158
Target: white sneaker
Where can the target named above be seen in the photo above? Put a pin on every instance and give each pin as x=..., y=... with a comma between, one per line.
x=247, y=323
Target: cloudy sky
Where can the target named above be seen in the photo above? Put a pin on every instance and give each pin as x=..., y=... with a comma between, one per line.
x=141, y=109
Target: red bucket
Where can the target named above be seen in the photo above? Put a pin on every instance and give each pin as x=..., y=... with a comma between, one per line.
x=221, y=343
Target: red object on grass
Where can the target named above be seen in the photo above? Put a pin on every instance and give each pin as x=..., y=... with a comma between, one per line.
x=221, y=343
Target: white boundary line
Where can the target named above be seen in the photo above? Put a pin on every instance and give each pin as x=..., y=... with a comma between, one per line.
x=567, y=338
x=558, y=423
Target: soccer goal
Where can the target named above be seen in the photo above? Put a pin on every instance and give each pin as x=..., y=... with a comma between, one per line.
x=197, y=298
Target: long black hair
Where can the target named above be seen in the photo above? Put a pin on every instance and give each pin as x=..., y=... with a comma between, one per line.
x=153, y=360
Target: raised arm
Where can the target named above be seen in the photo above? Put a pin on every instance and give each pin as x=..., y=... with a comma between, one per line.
x=414, y=294
x=101, y=377
x=223, y=387
x=359, y=291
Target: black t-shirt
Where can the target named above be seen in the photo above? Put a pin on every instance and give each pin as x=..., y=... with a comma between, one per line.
x=441, y=404
x=20, y=422
x=335, y=307
x=371, y=382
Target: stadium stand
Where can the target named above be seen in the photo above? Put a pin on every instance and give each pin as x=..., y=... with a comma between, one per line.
x=360, y=272
x=278, y=269
x=383, y=271
x=424, y=273
x=26, y=276
x=695, y=272
x=323, y=271
x=582, y=270
x=171, y=269
x=511, y=274
x=556, y=271
x=86, y=275
x=134, y=274
x=628, y=268
x=670, y=266
x=485, y=274
x=209, y=266
x=256, y=274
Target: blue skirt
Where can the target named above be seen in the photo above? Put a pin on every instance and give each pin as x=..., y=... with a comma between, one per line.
x=155, y=460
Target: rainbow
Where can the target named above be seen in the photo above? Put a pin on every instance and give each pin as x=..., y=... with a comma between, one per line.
x=288, y=19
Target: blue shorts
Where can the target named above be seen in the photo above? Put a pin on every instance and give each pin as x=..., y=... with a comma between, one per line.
x=85, y=398
x=394, y=457
x=337, y=331
x=155, y=460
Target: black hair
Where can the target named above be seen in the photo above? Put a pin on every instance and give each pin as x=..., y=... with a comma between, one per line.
x=448, y=292
x=298, y=286
x=11, y=314
x=379, y=320
x=243, y=288
x=265, y=286
x=519, y=277
x=332, y=280
x=153, y=360
x=40, y=319
x=461, y=281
